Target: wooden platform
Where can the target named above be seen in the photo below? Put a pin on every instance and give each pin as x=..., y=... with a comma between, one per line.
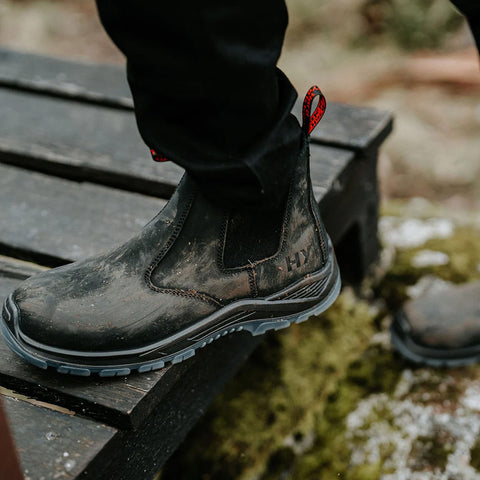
x=75, y=178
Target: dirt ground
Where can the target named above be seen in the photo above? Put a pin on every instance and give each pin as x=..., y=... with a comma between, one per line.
x=434, y=93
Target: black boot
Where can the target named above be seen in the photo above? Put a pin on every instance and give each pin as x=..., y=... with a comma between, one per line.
x=440, y=328
x=184, y=281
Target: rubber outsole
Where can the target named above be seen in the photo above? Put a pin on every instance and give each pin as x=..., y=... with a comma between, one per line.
x=254, y=327
x=428, y=357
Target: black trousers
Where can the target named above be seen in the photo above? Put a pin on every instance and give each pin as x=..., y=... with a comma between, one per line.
x=208, y=94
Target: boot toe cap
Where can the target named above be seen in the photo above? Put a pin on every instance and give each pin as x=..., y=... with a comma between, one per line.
x=120, y=317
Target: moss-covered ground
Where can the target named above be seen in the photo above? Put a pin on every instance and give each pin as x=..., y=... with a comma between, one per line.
x=462, y=249
x=329, y=399
x=287, y=399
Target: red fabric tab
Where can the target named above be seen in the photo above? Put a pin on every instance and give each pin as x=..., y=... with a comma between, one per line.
x=310, y=121
x=157, y=157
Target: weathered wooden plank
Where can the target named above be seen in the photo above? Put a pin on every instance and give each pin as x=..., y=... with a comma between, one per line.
x=53, y=220
x=80, y=141
x=122, y=402
x=353, y=128
x=344, y=126
x=350, y=210
x=103, y=453
x=17, y=269
x=7, y=285
x=90, y=82
x=60, y=220
x=53, y=444
x=83, y=142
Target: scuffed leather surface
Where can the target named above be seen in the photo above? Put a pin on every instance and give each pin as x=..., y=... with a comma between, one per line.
x=301, y=233
x=192, y=261
x=104, y=302
x=166, y=278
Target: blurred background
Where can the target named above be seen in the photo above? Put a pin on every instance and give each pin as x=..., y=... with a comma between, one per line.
x=415, y=58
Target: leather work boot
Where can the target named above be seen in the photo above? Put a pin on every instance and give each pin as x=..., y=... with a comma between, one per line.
x=441, y=328
x=177, y=286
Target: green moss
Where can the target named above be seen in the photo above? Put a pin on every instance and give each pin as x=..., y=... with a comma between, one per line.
x=364, y=472
x=475, y=455
x=281, y=392
x=374, y=371
x=303, y=383
x=463, y=249
x=279, y=464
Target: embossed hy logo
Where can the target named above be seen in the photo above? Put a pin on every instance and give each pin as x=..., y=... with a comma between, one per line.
x=300, y=258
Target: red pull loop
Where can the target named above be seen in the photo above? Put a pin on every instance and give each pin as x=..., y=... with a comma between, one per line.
x=310, y=121
x=157, y=157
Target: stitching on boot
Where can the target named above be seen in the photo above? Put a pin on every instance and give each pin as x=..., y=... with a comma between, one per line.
x=221, y=249
x=252, y=280
x=158, y=258
x=188, y=293
x=317, y=225
x=285, y=230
